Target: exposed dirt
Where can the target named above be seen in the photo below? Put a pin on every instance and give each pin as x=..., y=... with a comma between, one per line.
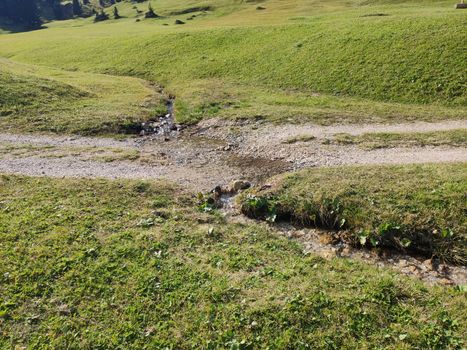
x=316, y=241
x=216, y=152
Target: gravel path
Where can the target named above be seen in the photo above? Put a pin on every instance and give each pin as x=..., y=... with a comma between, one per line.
x=217, y=152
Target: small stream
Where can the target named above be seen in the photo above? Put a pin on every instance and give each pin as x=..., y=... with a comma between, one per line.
x=162, y=126
x=316, y=241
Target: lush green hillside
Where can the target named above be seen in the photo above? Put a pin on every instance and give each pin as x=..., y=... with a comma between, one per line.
x=99, y=264
x=324, y=61
x=43, y=99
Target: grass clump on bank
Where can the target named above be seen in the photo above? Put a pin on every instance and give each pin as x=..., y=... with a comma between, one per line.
x=453, y=138
x=136, y=265
x=34, y=98
x=420, y=208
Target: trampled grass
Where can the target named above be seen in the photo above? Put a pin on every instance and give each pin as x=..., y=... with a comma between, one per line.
x=320, y=61
x=419, y=208
x=136, y=265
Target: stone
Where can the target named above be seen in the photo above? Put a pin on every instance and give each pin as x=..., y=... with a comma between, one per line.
x=346, y=252
x=402, y=263
x=446, y=282
x=429, y=264
x=63, y=309
x=297, y=233
x=239, y=185
x=327, y=254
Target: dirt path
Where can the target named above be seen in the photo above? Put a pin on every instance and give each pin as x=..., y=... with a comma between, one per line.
x=214, y=153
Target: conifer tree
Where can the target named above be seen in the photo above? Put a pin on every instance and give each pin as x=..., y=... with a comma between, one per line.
x=116, y=14
x=22, y=11
x=77, y=10
x=150, y=13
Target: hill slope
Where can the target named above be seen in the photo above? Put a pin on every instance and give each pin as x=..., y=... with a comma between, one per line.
x=44, y=99
x=221, y=61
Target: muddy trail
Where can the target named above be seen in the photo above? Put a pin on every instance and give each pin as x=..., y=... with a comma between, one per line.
x=218, y=152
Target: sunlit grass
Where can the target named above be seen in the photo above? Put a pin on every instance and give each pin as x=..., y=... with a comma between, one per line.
x=325, y=62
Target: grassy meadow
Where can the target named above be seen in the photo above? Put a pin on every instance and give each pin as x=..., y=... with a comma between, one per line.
x=116, y=264
x=453, y=138
x=137, y=265
x=319, y=61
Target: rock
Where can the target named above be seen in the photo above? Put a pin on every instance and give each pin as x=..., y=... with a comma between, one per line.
x=402, y=263
x=443, y=268
x=63, y=309
x=328, y=254
x=428, y=263
x=412, y=269
x=179, y=22
x=297, y=233
x=265, y=187
x=446, y=282
x=346, y=252
x=238, y=185
x=217, y=192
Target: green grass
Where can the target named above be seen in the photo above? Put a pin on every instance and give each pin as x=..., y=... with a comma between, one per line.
x=453, y=138
x=34, y=98
x=419, y=208
x=135, y=265
x=321, y=61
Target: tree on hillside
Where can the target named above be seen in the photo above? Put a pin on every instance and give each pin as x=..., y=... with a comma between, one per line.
x=22, y=11
x=116, y=14
x=101, y=16
x=77, y=10
x=150, y=13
